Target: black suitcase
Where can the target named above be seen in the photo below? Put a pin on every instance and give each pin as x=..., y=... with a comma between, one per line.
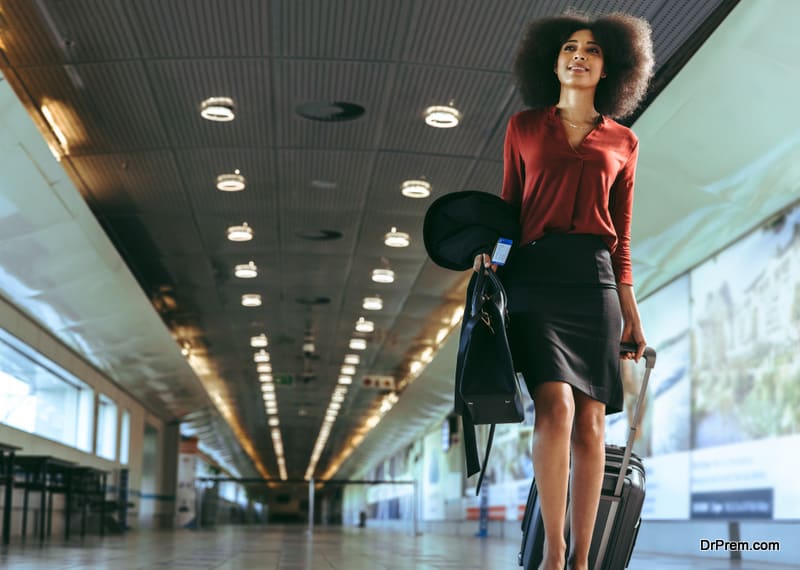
x=620, y=509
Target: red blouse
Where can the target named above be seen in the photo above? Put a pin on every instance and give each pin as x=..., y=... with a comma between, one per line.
x=588, y=190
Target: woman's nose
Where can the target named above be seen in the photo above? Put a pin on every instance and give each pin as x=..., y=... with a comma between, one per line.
x=578, y=56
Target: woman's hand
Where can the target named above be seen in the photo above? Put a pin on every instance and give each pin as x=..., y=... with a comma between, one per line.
x=632, y=331
x=484, y=260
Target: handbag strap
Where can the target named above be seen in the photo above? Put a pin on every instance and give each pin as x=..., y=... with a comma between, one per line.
x=485, y=459
x=480, y=295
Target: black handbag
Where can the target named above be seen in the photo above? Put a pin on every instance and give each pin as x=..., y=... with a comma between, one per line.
x=488, y=384
x=486, y=381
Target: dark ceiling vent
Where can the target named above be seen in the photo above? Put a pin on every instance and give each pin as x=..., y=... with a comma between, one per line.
x=320, y=235
x=328, y=112
x=313, y=300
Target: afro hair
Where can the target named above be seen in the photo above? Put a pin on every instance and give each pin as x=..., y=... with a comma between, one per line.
x=627, y=52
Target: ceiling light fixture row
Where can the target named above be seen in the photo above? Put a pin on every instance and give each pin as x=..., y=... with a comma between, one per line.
x=337, y=399
x=271, y=408
x=380, y=410
x=347, y=372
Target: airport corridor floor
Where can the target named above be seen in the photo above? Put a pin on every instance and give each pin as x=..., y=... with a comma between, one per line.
x=291, y=548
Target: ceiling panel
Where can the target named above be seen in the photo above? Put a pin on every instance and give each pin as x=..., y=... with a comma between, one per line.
x=180, y=86
x=354, y=29
x=297, y=82
x=444, y=174
x=478, y=95
x=140, y=182
x=201, y=28
x=100, y=107
x=462, y=33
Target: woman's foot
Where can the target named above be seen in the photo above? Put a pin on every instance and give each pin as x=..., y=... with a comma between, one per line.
x=553, y=558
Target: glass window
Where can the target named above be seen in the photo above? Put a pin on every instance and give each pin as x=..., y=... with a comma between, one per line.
x=40, y=397
x=106, y=427
x=124, y=437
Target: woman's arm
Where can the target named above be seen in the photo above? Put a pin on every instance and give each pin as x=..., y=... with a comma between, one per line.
x=632, y=324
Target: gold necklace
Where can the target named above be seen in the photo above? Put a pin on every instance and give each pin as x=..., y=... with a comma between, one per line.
x=574, y=126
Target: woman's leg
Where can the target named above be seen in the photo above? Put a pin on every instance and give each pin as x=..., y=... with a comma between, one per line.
x=588, y=464
x=555, y=409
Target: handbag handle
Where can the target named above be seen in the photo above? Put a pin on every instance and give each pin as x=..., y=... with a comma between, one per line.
x=484, y=279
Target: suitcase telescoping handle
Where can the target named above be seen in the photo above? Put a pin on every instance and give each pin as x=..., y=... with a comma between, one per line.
x=649, y=362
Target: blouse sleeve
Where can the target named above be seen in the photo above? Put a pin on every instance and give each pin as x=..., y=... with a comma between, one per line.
x=513, y=169
x=621, y=210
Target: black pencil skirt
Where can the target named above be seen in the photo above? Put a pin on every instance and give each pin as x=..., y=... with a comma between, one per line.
x=564, y=313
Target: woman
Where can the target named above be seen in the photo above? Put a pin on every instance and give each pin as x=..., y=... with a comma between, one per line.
x=569, y=168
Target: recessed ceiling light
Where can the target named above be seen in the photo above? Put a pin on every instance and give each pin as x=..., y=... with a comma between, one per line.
x=268, y=387
x=245, y=270
x=268, y=396
x=230, y=182
x=251, y=300
x=442, y=116
x=220, y=109
x=265, y=377
x=261, y=356
x=393, y=238
x=259, y=341
x=383, y=276
x=352, y=359
x=358, y=344
x=330, y=111
x=364, y=326
x=274, y=422
x=264, y=368
x=372, y=303
x=416, y=189
x=240, y=233
x=348, y=370
x=440, y=336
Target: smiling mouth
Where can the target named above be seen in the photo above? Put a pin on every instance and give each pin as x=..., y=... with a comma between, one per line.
x=577, y=68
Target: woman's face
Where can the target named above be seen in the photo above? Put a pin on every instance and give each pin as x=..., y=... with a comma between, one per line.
x=580, y=61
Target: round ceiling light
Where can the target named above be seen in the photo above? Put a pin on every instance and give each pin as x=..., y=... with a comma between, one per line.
x=219, y=109
x=240, y=233
x=383, y=276
x=348, y=370
x=358, y=344
x=394, y=238
x=264, y=368
x=230, y=182
x=372, y=303
x=344, y=380
x=251, y=300
x=259, y=341
x=245, y=270
x=265, y=377
x=352, y=359
x=364, y=326
x=416, y=189
x=442, y=116
x=262, y=356
x=274, y=422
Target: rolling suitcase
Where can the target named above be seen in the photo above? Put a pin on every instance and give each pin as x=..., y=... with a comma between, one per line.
x=620, y=508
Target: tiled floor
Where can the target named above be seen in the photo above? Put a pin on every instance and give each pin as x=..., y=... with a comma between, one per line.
x=291, y=548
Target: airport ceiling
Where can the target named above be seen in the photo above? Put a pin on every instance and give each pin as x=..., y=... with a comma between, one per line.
x=124, y=81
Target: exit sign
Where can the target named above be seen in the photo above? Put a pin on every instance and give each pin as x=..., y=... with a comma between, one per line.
x=284, y=379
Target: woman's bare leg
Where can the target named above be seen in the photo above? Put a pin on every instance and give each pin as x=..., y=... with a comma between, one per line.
x=588, y=464
x=555, y=409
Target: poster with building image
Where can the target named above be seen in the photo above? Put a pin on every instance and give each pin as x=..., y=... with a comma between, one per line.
x=746, y=376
